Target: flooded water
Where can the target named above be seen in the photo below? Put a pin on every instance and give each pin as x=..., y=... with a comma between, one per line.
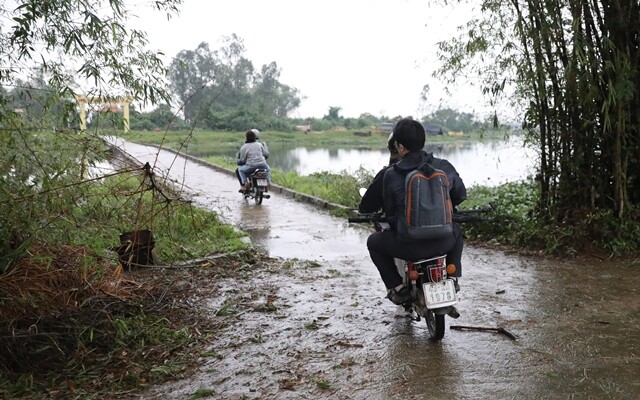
x=482, y=162
x=576, y=324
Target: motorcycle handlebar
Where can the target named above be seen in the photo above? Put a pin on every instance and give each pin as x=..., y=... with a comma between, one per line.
x=459, y=216
x=369, y=218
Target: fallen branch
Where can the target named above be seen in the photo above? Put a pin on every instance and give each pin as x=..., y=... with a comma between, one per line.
x=189, y=263
x=484, y=329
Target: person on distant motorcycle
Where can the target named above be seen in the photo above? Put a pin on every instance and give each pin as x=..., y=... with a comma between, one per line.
x=253, y=155
x=264, y=144
x=408, y=139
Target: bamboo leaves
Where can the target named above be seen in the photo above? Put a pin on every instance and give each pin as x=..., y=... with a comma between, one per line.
x=577, y=69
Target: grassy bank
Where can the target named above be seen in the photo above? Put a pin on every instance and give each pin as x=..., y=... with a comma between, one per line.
x=72, y=314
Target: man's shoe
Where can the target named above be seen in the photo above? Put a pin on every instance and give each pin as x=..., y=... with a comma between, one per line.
x=453, y=312
x=401, y=296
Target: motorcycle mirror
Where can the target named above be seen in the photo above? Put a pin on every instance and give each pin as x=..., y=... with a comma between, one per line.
x=362, y=191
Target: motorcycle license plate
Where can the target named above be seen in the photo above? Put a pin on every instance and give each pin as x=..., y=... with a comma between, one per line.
x=262, y=182
x=441, y=294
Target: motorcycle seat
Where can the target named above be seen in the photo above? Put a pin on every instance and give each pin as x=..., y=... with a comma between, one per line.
x=260, y=174
x=427, y=260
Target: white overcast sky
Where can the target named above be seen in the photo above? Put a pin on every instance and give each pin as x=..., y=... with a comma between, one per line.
x=360, y=55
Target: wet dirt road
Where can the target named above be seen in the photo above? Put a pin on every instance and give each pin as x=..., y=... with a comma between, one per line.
x=334, y=336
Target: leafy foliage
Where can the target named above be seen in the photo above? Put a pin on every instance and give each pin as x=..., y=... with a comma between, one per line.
x=453, y=120
x=574, y=70
x=45, y=163
x=81, y=39
x=582, y=232
x=335, y=188
x=66, y=309
x=40, y=204
x=38, y=169
x=61, y=212
x=212, y=85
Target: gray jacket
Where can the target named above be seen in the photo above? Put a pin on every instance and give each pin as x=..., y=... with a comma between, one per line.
x=253, y=154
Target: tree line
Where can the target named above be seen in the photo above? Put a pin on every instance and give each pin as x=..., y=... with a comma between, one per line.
x=214, y=89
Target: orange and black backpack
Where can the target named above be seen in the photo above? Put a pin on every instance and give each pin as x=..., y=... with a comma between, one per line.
x=428, y=208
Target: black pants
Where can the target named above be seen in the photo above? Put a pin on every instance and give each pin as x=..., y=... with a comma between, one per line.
x=385, y=246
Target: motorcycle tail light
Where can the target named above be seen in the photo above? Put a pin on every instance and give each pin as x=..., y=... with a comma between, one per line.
x=451, y=269
x=436, y=274
x=414, y=275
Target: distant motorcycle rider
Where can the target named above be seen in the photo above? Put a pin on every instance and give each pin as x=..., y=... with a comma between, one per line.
x=389, y=185
x=253, y=155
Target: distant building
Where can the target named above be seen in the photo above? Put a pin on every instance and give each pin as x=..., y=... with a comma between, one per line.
x=432, y=129
x=386, y=127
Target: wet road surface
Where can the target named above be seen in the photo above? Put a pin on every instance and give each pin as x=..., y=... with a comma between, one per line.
x=334, y=335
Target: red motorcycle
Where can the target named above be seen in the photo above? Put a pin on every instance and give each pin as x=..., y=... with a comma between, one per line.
x=433, y=290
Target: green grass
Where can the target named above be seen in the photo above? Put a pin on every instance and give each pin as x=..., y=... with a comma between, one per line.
x=202, y=393
x=181, y=230
x=339, y=188
x=57, y=232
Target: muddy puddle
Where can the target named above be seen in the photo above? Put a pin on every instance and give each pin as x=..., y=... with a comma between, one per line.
x=329, y=333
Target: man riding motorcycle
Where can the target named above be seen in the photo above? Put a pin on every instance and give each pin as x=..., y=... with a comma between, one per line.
x=387, y=191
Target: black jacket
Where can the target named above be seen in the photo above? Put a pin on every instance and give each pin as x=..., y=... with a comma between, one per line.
x=394, y=181
x=372, y=199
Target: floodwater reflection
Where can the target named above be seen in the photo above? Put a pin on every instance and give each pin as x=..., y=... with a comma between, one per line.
x=482, y=162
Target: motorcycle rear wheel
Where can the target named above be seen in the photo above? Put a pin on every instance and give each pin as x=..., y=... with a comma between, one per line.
x=258, y=196
x=435, y=324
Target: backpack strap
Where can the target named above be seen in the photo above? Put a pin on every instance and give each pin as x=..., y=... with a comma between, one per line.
x=427, y=168
x=437, y=163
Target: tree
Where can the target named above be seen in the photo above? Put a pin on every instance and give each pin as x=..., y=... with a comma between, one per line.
x=451, y=119
x=162, y=117
x=333, y=114
x=87, y=39
x=189, y=74
x=574, y=68
x=273, y=97
x=234, y=76
x=223, y=81
x=424, y=99
x=47, y=48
